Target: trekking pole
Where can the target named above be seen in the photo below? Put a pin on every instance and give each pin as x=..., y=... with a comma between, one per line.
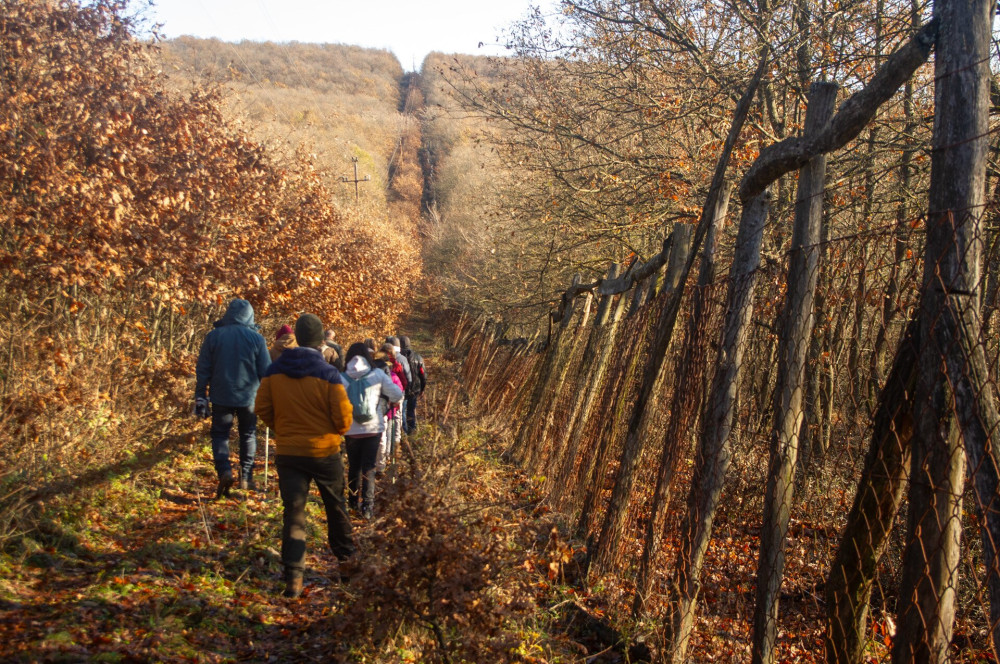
x=267, y=446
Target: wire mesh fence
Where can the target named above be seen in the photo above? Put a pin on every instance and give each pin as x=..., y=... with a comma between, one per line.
x=803, y=466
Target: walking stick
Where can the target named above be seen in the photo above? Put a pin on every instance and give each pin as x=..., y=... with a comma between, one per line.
x=267, y=446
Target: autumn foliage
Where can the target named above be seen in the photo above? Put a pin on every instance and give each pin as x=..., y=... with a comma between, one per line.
x=130, y=216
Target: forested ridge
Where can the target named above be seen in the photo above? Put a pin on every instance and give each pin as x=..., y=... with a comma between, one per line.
x=706, y=293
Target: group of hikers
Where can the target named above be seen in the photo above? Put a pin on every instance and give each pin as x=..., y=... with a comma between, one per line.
x=316, y=399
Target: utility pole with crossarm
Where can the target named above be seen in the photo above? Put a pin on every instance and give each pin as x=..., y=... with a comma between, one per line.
x=356, y=180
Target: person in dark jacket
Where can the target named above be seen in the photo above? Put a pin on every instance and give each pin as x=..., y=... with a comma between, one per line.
x=303, y=399
x=232, y=361
x=416, y=386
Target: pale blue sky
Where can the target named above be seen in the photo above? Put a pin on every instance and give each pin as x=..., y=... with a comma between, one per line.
x=410, y=29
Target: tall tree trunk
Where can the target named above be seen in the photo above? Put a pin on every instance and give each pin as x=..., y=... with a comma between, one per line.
x=876, y=504
x=796, y=332
x=950, y=407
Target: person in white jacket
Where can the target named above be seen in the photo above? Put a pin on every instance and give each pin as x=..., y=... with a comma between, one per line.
x=370, y=391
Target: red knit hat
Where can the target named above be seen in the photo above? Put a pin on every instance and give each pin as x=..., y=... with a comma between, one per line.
x=285, y=329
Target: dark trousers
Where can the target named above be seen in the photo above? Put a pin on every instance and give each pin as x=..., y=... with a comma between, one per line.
x=362, y=452
x=222, y=424
x=294, y=475
x=410, y=424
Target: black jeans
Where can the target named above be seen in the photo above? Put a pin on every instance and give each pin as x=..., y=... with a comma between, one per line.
x=222, y=424
x=294, y=475
x=362, y=452
x=410, y=421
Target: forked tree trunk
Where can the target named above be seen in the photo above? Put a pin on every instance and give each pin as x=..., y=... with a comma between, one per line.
x=796, y=332
x=952, y=401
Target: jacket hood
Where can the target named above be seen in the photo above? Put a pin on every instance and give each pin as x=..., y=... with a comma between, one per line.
x=285, y=341
x=240, y=312
x=357, y=367
x=404, y=343
x=300, y=362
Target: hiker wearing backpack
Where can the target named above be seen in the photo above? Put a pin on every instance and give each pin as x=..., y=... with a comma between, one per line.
x=392, y=416
x=303, y=399
x=232, y=360
x=366, y=385
x=399, y=358
x=416, y=386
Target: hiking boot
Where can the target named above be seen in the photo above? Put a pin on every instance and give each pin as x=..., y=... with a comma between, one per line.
x=225, y=483
x=293, y=586
x=347, y=568
x=247, y=483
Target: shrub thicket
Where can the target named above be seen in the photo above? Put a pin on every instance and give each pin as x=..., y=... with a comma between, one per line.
x=131, y=215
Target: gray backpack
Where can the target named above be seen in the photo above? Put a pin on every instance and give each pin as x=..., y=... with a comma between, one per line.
x=356, y=389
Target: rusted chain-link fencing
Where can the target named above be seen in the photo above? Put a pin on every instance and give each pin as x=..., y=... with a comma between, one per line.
x=777, y=438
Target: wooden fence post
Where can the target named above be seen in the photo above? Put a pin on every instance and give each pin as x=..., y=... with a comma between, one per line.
x=712, y=459
x=614, y=519
x=528, y=438
x=603, y=346
x=586, y=376
x=686, y=397
x=796, y=332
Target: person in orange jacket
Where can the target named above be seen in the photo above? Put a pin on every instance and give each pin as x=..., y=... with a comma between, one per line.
x=303, y=400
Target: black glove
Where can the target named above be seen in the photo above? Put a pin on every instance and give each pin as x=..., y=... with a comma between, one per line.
x=201, y=408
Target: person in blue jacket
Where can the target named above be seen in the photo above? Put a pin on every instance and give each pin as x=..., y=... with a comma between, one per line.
x=231, y=364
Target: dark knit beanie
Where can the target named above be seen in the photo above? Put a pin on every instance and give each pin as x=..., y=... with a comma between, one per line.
x=309, y=331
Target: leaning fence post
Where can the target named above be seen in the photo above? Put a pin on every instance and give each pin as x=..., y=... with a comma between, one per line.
x=614, y=520
x=528, y=439
x=603, y=343
x=796, y=331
